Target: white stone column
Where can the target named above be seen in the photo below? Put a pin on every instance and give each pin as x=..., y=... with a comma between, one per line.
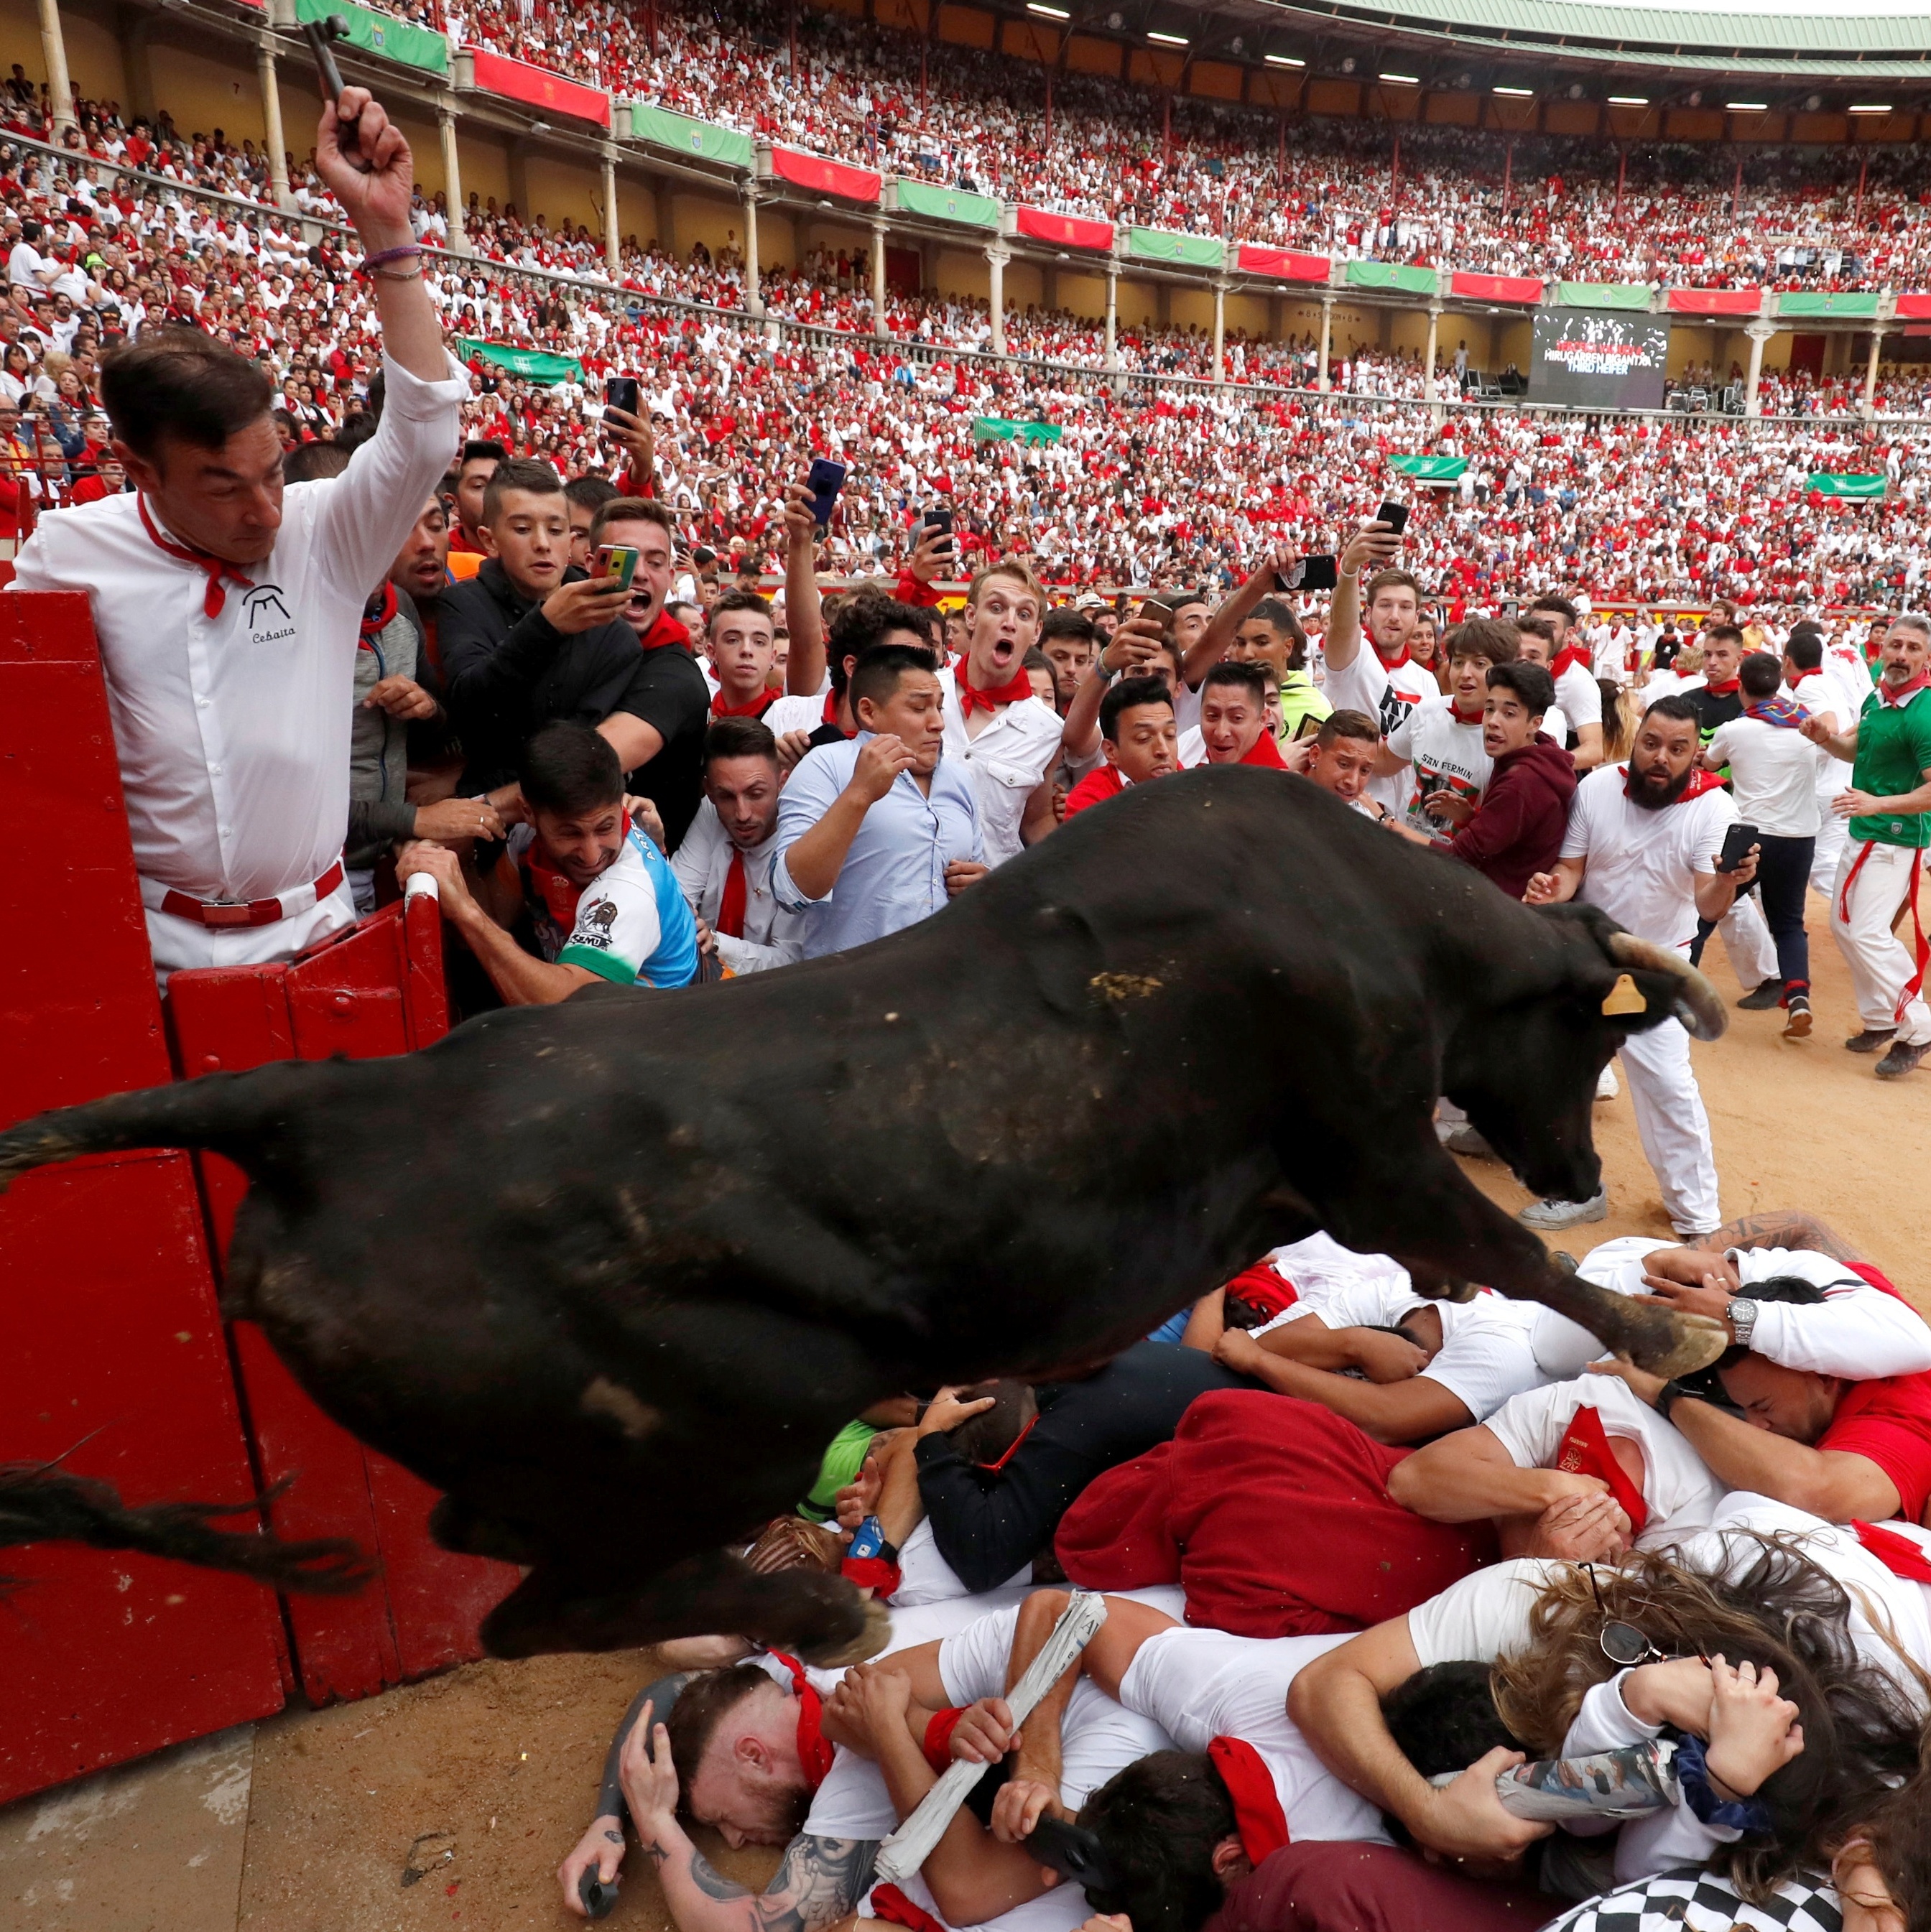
x=271, y=128
x=1327, y=335
x=754, y=299
x=1870, y=372
x=879, y=276
x=452, y=180
x=1113, y=314
x=613, y=253
x=53, y=48
x=997, y=257
x=1428, y=355
x=1759, y=333
x=1219, y=330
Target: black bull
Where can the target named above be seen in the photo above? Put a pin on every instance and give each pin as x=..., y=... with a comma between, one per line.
x=610, y=1273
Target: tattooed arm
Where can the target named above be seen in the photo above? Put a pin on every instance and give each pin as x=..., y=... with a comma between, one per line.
x=820, y=1881
x=1788, y=1228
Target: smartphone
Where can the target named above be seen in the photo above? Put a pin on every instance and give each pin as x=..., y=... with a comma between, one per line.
x=620, y=392
x=615, y=560
x=1395, y=515
x=1736, y=844
x=1316, y=573
x=321, y=36
x=1158, y=608
x=1308, y=727
x=825, y=480
x=940, y=520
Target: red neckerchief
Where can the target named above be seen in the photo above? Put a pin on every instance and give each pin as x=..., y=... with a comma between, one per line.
x=891, y=1904
x=1725, y=690
x=1584, y=1450
x=1262, y=1287
x=665, y=630
x=1258, y=1817
x=377, y=616
x=1898, y=1554
x=737, y=896
x=1392, y=664
x=1699, y=781
x=1264, y=752
x=216, y=567
x=1015, y=690
x=1904, y=692
x=814, y=1752
x=756, y=708
x=1570, y=654
x=1455, y=711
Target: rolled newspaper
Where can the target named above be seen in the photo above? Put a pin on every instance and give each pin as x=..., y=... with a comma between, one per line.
x=914, y=1842
x=1624, y=1782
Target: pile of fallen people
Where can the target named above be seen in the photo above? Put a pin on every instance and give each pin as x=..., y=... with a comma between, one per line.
x=1418, y=1616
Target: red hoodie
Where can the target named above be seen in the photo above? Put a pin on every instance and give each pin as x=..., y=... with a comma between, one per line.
x=1517, y=831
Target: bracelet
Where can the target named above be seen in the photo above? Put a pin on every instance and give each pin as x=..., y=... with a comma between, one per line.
x=408, y=248
x=414, y=275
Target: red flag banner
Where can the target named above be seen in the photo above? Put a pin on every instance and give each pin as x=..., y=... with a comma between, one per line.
x=1715, y=301
x=1917, y=307
x=1069, y=231
x=824, y=177
x=1282, y=263
x=517, y=80
x=1495, y=288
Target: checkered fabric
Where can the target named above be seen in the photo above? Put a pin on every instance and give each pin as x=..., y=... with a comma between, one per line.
x=1700, y=1901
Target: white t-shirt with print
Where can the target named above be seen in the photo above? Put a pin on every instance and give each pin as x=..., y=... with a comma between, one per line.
x=1678, y=1489
x=1387, y=696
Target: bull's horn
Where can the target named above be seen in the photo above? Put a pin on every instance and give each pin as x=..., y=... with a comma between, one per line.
x=1698, y=1004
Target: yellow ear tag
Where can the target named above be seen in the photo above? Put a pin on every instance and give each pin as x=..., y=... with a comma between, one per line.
x=1625, y=997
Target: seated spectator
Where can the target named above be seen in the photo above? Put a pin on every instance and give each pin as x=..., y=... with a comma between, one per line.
x=742, y=646
x=659, y=732
x=1517, y=830
x=997, y=728
x=603, y=899
x=877, y=832
x=1138, y=741
x=724, y=862
x=531, y=639
x=994, y=1500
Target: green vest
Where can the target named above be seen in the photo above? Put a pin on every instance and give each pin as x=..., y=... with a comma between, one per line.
x=1893, y=754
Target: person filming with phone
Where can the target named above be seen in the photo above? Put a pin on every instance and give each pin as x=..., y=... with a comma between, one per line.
x=1649, y=842
x=228, y=609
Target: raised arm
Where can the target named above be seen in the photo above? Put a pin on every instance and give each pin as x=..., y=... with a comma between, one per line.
x=804, y=612
x=1214, y=640
x=1371, y=547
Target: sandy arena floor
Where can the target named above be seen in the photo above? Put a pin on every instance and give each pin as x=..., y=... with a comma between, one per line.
x=449, y=1803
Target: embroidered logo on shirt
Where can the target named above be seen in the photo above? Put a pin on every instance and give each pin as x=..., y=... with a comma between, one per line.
x=261, y=605
x=594, y=928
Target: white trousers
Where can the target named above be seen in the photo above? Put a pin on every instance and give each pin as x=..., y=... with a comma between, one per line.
x=1674, y=1129
x=1746, y=939
x=1832, y=831
x=1881, y=965
x=179, y=944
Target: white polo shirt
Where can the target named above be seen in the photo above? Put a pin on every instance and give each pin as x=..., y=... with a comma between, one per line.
x=1007, y=761
x=233, y=731
x=772, y=936
x=1640, y=867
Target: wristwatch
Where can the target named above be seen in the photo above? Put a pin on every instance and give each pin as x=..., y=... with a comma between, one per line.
x=1741, y=1314
x=1667, y=1397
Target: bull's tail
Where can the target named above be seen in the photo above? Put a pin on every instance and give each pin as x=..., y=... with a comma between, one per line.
x=40, y=1503
x=231, y=1113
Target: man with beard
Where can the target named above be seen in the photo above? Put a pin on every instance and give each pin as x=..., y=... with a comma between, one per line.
x=1642, y=844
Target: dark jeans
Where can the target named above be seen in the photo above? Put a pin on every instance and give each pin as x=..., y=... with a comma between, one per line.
x=1783, y=876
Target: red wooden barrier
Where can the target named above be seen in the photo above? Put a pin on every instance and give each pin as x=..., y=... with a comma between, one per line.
x=375, y=990
x=115, y=1360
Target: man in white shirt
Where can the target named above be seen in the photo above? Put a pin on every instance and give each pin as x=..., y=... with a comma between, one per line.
x=1774, y=776
x=1643, y=843
x=1546, y=641
x=995, y=727
x=724, y=863
x=229, y=612
x=1389, y=687
x=1815, y=686
x=28, y=272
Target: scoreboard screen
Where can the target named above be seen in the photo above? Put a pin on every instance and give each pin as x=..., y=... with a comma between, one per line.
x=1599, y=361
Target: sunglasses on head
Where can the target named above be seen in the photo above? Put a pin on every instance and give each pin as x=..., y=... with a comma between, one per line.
x=1622, y=1643
x=1012, y=1450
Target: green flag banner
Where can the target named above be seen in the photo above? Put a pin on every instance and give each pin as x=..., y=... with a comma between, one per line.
x=1827, y=302
x=1390, y=275
x=537, y=364
x=705, y=139
x=1431, y=468
x=948, y=204
x=1163, y=244
x=997, y=429
x=1602, y=295
x=1826, y=483
x=383, y=33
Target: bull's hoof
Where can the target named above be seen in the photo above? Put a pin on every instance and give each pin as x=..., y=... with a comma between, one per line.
x=1680, y=1345
x=874, y=1633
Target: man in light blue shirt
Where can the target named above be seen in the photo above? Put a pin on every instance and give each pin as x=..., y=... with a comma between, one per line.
x=876, y=833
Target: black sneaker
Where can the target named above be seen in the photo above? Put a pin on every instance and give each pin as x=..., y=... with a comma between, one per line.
x=1796, y=1017
x=1870, y=1039
x=1901, y=1059
x=1769, y=994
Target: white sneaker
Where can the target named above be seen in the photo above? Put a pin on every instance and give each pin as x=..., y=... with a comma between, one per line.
x=1566, y=1213
x=1606, y=1087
